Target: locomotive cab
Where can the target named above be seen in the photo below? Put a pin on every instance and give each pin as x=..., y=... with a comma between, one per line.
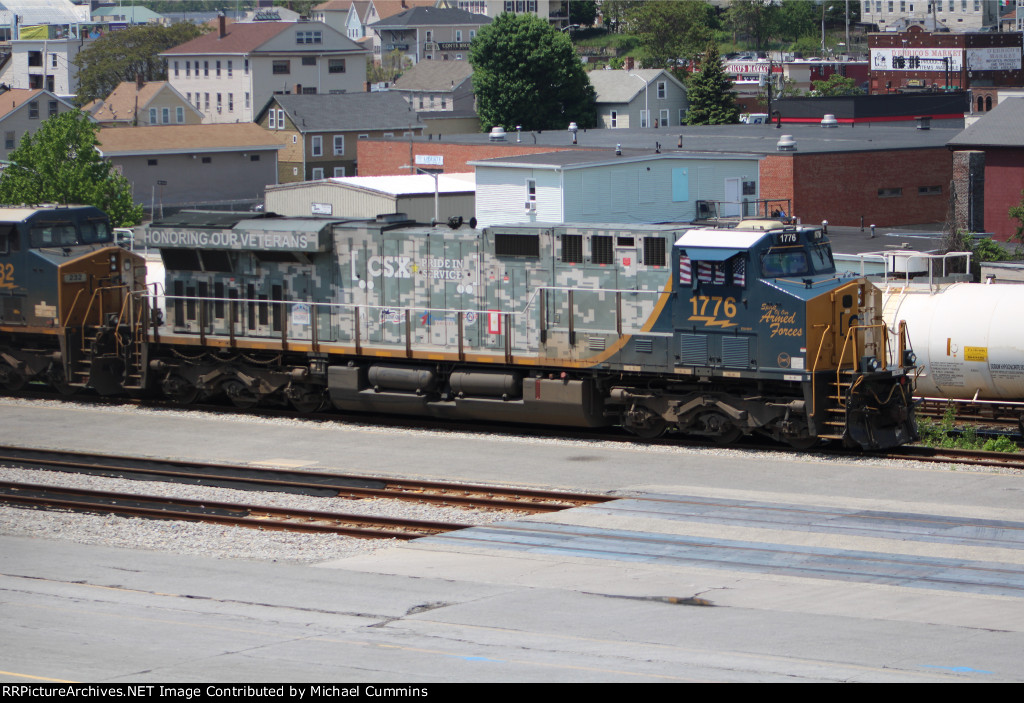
x=766, y=303
x=61, y=281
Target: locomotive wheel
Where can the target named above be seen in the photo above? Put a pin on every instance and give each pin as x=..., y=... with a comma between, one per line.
x=240, y=395
x=729, y=436
x=55, y=377
x=179, y=391
x=802, y=444
x=719, y=429
x=644, y=423
x=305, y=399
x=11, y=379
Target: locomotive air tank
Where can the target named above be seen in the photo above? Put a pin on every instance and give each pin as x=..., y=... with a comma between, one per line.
x=966, y=337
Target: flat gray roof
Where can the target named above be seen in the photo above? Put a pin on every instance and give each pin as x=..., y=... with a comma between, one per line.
x=746, y=139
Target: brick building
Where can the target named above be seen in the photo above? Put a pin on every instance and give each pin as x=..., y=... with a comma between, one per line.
x=885, y=173
x=917, y=60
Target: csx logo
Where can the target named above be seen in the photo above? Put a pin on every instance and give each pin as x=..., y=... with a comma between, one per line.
x=387, y=266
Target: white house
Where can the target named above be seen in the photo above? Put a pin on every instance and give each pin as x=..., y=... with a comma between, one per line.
x=231, y=73
x=601, y=186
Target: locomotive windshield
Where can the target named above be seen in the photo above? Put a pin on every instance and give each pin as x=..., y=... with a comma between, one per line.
x=65, y=233
x=784, y=262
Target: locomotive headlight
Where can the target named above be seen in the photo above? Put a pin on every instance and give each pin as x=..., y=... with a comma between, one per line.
x=869, y=363
x=909, y=358
x=113, y=262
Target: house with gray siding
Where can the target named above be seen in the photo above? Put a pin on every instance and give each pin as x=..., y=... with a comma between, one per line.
x=638, y=98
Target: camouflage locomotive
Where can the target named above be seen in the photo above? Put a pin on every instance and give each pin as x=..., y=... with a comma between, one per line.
x=713, y=333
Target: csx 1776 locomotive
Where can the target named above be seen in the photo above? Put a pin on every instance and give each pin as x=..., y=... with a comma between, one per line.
x=714, y=333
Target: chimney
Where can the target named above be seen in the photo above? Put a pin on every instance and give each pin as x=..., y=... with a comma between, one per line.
x=139, y=81
x=222, y=25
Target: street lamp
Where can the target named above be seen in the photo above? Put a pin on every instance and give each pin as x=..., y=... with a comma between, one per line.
x=647, y=110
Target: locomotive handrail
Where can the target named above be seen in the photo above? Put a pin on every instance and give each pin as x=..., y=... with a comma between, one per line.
x=814, y=369
x=850, y=334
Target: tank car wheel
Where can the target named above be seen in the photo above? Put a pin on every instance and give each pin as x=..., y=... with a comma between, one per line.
x=179, y=391
x=240, y=395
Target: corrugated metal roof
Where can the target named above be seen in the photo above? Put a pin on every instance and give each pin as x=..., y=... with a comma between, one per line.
x=47, y=11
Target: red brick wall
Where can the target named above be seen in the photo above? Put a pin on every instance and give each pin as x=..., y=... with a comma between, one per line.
x=841, y=187
x=1004, y=181
x=384, y=158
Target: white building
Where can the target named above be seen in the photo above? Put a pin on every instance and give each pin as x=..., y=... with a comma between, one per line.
x=602, y=187
x=46, y=64
x=231, y=73
x=955, y=15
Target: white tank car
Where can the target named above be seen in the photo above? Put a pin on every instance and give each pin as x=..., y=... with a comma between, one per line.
x=967, y=337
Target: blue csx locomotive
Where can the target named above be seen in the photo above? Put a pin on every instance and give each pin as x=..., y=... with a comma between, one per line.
x=712, y=333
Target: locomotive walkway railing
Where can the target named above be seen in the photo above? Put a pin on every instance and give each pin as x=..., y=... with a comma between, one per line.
x=548, y=310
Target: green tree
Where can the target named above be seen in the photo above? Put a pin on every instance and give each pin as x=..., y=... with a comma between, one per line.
x=670, y=31
x=710, y=92
x=835, y=86
x=752, y=18
x=391, y=66
x=1017, y=213
x=617, y=14
x=60, y=164
x=122, y=56
x=795, y=19
x=582, y=12
x=526, y=72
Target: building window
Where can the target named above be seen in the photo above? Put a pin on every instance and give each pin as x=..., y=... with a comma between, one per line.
x=8, y=140
x=218, y=102
x=218, y=69
x=51, y=108
x=531, y=190
x=254, y=157
x=33, y=110
x=179, y=115
x=151, y=162
x=246, y=101
x=662, y=90
x=309, y=61
x=645, y=118
x=309, y=90
x=363, y=136
x=444, y=103
x=929, y=190
x=318, y=174
x=339, y=144
x=663, y=116
x=339, y=171
x=336, y=65
x=229, y=69
x=175, y=69
x=282, y=67
x=152, y=115
x=35, y=58
x=207, y=159
x=188, y=69
x=165, y=115
x=318, y=146
x=247, y=67
x=206, y=101
x=53, y=60
x=458, y=35
x=206, y=69
x=231, y=102
x=309, y=37
x=421, y=103
x=890, y=192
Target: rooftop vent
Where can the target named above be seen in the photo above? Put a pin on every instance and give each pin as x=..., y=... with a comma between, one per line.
x=786, y=143
x=497, y=134
x=829, y=121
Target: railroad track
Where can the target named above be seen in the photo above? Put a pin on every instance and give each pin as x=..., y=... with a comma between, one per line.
x=314, y=483
x=233, y=514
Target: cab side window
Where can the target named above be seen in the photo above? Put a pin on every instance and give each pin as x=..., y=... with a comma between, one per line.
x=9, y=241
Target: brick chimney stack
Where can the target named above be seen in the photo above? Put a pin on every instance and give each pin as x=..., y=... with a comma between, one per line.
x=222, y=25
